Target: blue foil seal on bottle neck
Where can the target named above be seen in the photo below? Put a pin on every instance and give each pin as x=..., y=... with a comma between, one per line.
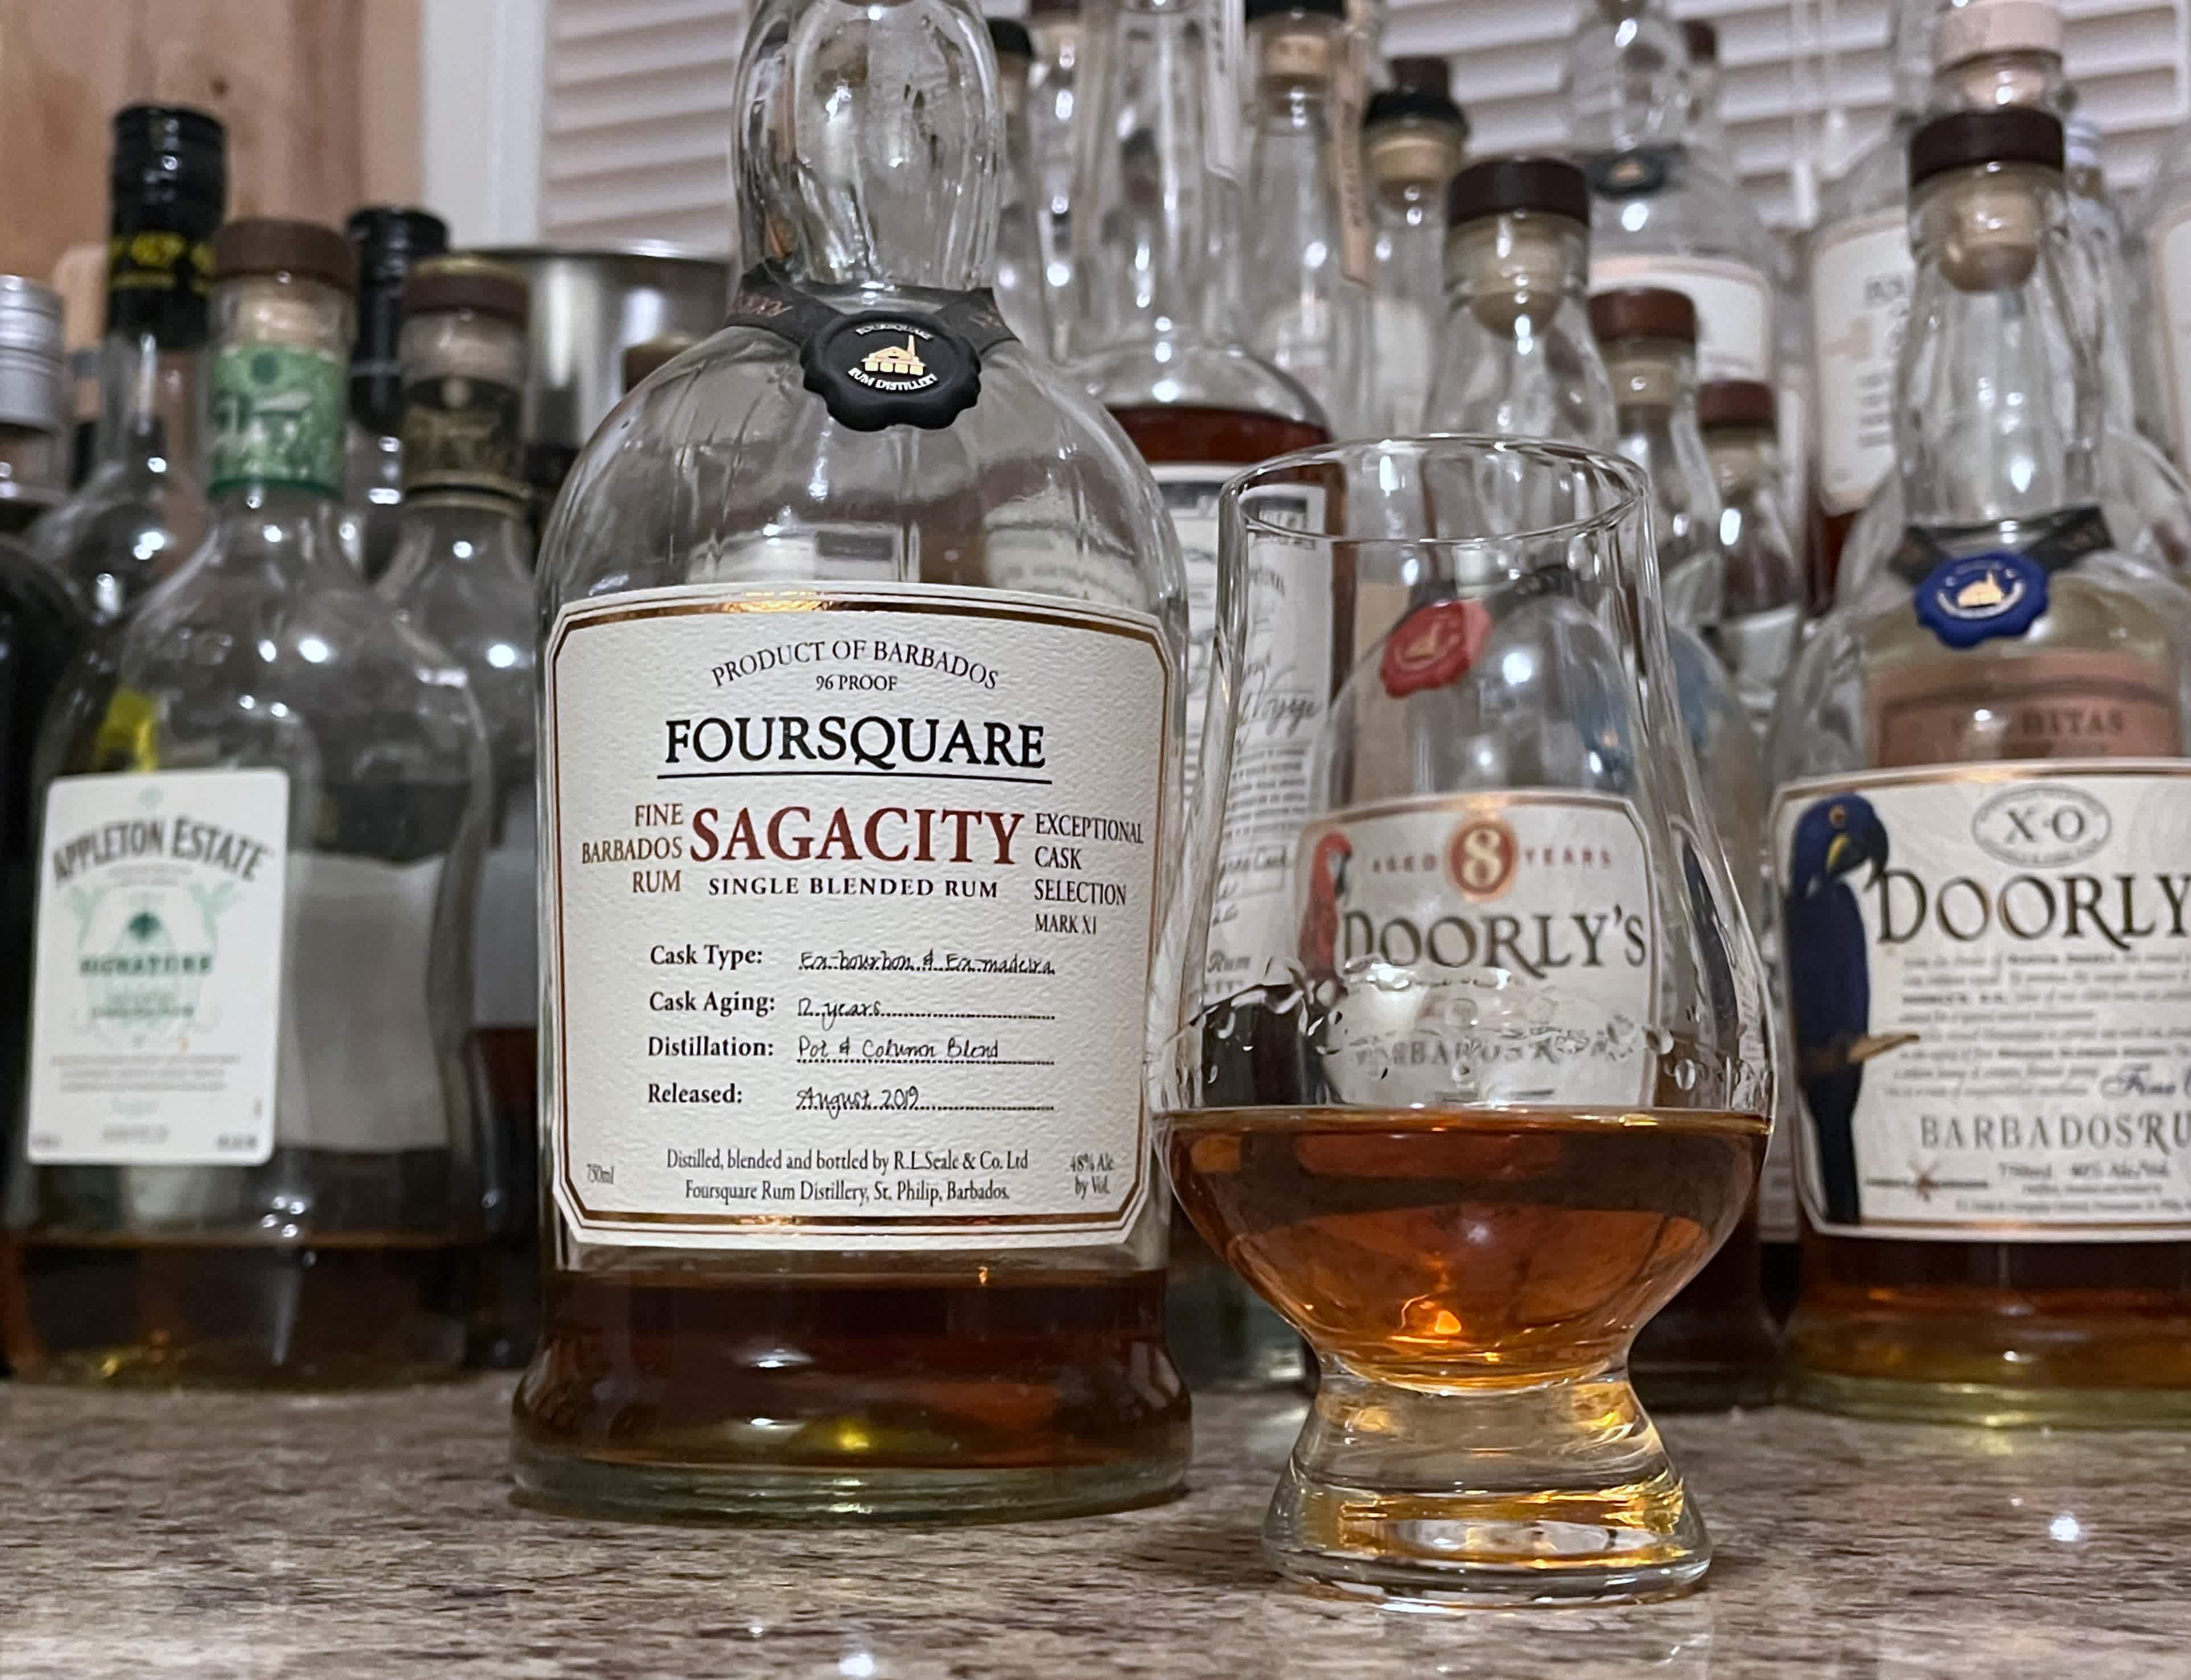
x=1966, y=601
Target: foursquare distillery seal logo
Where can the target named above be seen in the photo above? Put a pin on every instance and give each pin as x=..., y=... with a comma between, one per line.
x=876, y=370
x=1965, y=602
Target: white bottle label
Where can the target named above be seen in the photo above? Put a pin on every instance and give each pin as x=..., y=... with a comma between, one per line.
x=1285, y=689
x=1861, y=272
x=157, y=1012
x=1507, y=911
x=1734, y=306
x=2172, y=293
x=505, y=927
x=803, y=994
x=1989, y=975
x=360, y=1070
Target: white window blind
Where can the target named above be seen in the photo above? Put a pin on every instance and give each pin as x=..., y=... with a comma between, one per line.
x=635, y=121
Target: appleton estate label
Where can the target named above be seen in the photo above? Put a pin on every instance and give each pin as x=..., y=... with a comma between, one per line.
x=1988, y=974
x=1487, y=947
x=853, y=894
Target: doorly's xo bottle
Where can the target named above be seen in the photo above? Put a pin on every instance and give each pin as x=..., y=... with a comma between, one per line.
x=1982, y=897
x=861, y=698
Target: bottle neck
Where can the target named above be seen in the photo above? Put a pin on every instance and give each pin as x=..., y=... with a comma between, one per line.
x=1745, y=460
x=1627, y=78
x=1707, y=132
x=1997, y=394
x=31, y=476
x=1654, y=399
x=2023, y=78
x=890, y=168
x=1293, y=174
x=1517, y=331
x=149, y=405
x=1151, y=212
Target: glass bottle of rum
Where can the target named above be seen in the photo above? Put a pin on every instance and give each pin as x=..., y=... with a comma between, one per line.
x=1412, y=136
x=1158, y=205
x=851, y=1201
x=1665, y=213
x=249, y=1155
x=462, y=572
x=1303, y=266
x=1981, y=772
x=139, y=512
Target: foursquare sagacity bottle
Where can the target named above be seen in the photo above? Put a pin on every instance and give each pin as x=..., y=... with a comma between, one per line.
x=862, y=665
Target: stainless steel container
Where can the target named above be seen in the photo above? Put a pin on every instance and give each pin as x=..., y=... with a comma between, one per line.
x=587, y=306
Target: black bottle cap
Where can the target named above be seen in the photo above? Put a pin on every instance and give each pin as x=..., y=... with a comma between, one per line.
x=388, y=239
x=1702, y=41
x=1496, y=186
x=1422, y=73
x=173, y=158
x=1643, y=312
x=2000, y=134
x=1010, y=37
x=1390, y=104
x=1277, y=8
x=1051, y=8
x=169, y=181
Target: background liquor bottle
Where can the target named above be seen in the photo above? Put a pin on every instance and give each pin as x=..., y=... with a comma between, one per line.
x=1413, y=134
x=1021, y=291
x=1665, y=213
x=388, y=241
x=1761, y=613
x=33, y=448
x=933, y=1282
x=462, y=574
x=641, y=359
x=249, y=1155
x=1053, y=102
x=1304, y=264
x=1714, y=1346
x=1987, y=54
x=1158, y=201
x=1984, y=1241
x=1859, y=284
x=141, y=512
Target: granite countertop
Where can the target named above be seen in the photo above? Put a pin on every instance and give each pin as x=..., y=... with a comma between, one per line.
x=212, y=1535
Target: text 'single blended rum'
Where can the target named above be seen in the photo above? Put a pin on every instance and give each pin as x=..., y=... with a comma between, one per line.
x=1979, y=847
x=863, y=676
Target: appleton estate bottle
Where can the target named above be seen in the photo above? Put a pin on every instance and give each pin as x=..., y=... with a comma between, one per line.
x=850, y=1198
x=1978, y=840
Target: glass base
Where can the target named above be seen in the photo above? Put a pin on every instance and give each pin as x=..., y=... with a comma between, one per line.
x=1424, y=1498
x=596, y=1487
x=1990, y=1404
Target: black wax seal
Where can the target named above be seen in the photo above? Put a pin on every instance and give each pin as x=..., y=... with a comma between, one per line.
x=876, y=369
x=1637, y=172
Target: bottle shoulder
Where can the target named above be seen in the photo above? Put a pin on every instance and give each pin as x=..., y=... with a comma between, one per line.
x=726, y=468
x=1185, y=373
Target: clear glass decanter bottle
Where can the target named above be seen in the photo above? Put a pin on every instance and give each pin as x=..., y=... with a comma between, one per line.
x=1982, y=787
x=1665, y=214
x=1303, y=266
x=462, y=573
x=1159, y=201
x=1413, y=135
x=249, y=1156
x=1021, y=291
x=851, y=1199
x=139, y=512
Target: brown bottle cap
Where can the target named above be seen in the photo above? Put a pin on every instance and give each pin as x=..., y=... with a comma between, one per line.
x=641, y=360
x=1702, y=41
x=443, y=284
x=1422, y=73
x=273, y=245
x=1500, y=185
x=1643, y=312
x=1736, y=402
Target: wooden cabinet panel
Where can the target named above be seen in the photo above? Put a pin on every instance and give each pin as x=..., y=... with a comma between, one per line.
x=320, y=97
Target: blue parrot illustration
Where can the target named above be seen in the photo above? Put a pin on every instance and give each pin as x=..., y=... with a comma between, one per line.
x=1830, y=981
